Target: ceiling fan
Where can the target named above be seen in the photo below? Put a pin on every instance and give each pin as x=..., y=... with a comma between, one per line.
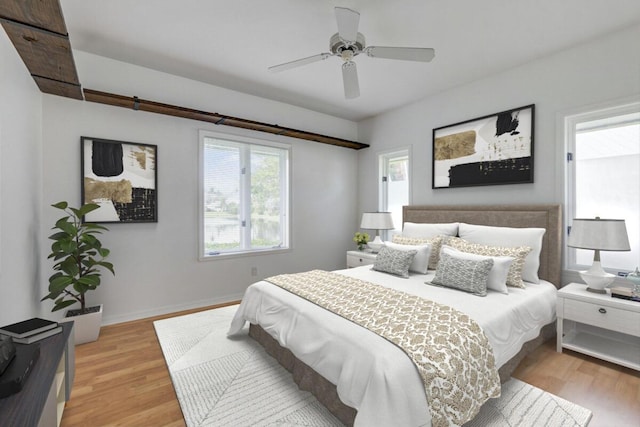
x=348, y=43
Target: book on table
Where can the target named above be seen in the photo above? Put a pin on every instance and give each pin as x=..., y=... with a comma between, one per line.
x=624, y=293
x=27, y=328
x=37, y=337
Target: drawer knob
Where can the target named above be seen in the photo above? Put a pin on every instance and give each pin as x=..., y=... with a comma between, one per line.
x=602, y=310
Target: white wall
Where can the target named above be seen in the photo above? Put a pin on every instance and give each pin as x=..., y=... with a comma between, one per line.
x=156, y=264
x=603, y=70
x=157, y=267
x=20, y=188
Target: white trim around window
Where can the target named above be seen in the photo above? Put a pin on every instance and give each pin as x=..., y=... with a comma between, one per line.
x=386, y=201
x=244, y=196
x=596, y=119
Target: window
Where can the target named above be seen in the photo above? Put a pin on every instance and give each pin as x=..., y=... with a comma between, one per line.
x=244, y=195
x=604, y=178
x=394, y=185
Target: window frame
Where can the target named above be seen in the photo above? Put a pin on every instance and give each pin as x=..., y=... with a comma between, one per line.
x=245, y=196
x=383, y=159
x=571, y=122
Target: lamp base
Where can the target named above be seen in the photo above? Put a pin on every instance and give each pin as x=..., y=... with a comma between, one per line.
x=376, y=244
x=596, y=291
x=597, y=279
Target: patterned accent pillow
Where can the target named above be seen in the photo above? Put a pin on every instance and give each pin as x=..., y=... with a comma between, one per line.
x=435, y=242
x=420, y=263
x=519, y=253
x=464, y=274
x=394, y=261
x=499, y=271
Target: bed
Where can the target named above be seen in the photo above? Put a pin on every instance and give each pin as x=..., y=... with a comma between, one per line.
x=361, y=377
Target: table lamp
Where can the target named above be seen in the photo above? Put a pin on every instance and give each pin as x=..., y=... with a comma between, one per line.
x=599, y=235
x=376, y=221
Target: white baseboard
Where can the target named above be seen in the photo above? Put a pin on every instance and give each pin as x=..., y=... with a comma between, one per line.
x=158, y=311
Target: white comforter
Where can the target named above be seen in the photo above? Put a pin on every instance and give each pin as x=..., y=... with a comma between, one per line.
x=371, y=374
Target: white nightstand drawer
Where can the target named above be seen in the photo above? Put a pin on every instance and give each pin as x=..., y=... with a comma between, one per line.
x=357, y=258
x=602, y=316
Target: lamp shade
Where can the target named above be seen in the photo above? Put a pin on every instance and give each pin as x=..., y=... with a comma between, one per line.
x=601, y=234
x=377, y=221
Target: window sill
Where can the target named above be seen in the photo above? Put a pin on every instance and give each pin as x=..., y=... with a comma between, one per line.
x=231, y=255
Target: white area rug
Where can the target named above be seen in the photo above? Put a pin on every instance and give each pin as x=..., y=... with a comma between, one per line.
x=233, y=382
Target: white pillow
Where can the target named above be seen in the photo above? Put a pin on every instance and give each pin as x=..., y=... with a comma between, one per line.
x=499, y=271
x=435, y=243
x=420, y=262
x=412, y=229
x=507, y=236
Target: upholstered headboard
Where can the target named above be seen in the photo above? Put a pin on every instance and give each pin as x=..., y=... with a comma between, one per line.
x=548, y=217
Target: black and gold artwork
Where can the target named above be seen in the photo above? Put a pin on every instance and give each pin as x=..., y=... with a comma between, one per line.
x=490, y=150
x=121, y=177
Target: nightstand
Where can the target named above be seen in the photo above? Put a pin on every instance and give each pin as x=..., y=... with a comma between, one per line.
x=358, y=258
x=598, y=325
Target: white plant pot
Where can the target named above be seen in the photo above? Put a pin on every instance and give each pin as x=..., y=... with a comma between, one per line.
x=86, y=327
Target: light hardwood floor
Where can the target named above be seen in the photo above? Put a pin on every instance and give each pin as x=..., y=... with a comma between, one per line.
x=122, y=380
x=610, y=391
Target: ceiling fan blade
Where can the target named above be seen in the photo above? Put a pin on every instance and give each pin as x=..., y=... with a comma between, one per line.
x=350, y=79
x=299, y=62
x=348, y=21
x=423, y=54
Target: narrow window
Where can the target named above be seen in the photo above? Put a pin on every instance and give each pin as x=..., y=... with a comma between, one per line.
x=604, y=178
x=394, y=188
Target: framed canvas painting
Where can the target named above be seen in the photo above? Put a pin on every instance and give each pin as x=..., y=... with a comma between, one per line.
x=121, y=177
x=490, y=150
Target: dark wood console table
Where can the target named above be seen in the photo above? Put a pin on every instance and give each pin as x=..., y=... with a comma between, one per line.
x=41, y=401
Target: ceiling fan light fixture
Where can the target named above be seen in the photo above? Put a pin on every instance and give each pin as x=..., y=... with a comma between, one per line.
x=347, y=55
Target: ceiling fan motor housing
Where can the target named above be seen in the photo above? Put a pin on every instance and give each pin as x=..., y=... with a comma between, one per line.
x=337, y=44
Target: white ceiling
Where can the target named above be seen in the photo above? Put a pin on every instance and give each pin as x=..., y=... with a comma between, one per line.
x=231, y=43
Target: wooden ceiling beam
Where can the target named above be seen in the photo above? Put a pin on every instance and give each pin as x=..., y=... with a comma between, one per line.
x=45, y=54
x=38, y=32
x=56, y=87
x=136, y=103
x=44, y=14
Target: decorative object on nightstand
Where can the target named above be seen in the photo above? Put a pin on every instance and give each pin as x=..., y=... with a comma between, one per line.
x=634, y=278
x=600, y=235
x=624, y=292
x=376, y=221
x=361, y=239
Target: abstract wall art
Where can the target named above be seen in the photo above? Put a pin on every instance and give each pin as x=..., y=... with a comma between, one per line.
x=121, y=177
x=490, y=150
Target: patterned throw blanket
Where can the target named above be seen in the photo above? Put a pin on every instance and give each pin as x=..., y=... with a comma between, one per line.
x=449, y=349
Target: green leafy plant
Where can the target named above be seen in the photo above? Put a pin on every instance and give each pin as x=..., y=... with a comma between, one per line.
x=361, y=239
x=78, y=256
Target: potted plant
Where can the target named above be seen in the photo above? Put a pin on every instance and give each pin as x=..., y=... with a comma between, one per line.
x=79, y=258
x=361, y=240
